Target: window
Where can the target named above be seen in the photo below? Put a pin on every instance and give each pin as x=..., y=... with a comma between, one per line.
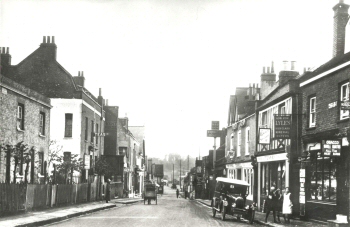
x=68, y=125
x=247, y=140
x=92, y=132
x=239, y=144
x=282, y=109
x=344, y=96
x=231, y=141
x=96, y=134
x=42, y=123
x=264, y=120
x=86, y=128
x=323, y=178
x=41, y=163
x=20, y=116
x=312, y=112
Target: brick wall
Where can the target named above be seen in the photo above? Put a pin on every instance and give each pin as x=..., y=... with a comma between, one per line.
x=10, y=95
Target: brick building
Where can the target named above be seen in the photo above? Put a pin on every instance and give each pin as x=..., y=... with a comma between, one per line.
x=24, y=117
x=325, y=133
x=77, y=117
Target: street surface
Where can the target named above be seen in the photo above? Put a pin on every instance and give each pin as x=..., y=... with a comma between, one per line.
x=170, y=211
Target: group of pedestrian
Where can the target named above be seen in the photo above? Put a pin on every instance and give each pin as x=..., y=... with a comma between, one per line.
x=279, y=203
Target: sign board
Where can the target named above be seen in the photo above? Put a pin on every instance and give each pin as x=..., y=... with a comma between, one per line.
x=345, y=105
x=302, y=172
x=331, y=147
x=264, y=135
x=215, y=125
x=302, y=199
x=213, y=133
x=332, y=105
x=158, y=170
x=271, y=158
x=283, y=125
x=86, y=161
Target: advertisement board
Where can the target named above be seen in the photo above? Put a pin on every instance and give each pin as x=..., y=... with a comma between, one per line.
x=283, y=125
x=86, y=161
x=264, y=135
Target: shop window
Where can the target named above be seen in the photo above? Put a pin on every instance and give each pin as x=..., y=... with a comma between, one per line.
x=273, y=174
x=312, y=112
x=42, y=123
x=323, y=182
x=20, y=116
x=247, y=140
x=239, y=144
x=344, y=96
x=68, y=125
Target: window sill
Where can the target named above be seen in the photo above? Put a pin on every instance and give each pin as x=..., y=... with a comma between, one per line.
x=343, y=120
x=20, y=130
x=86, y=141
x=310, y=129
x=42, y=136
x=67, y=138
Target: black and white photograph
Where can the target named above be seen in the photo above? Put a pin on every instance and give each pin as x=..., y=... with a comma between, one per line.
x=176, y=113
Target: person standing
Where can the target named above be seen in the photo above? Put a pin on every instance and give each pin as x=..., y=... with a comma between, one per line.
x=287, y=205
x=108, y=190
x=279, y=201
x=177, y=193
x=271, y=203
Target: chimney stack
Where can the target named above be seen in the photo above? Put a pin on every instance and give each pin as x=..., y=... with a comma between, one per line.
x=5, y=59
x=48, y=48
x=285, y=65
x=80, y=79
x=341, y=18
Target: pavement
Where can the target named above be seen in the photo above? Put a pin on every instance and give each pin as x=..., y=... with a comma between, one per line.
x=260, y=219
x=56, y=214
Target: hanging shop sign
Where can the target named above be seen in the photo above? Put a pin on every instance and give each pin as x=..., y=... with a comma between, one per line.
x=264, y=135
x=283, y=125
x=331, y=147
x=213, y=133
x=215, y=125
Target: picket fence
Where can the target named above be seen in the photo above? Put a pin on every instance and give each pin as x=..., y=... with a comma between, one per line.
x=16, y=198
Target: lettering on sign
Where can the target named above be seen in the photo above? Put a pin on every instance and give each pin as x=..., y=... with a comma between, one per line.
x=274, y=157
x=215, y=125
x=332, y=105
x=345, y=105
x=331, y=147
x=264, y=135
x=282, y=126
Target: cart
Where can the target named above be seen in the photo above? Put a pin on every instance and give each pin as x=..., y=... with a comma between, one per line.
x=150, y=193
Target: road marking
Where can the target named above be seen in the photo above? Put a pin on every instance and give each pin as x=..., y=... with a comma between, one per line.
x=119, y=217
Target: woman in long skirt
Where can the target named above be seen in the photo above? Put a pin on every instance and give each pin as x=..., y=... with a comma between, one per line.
x=287, y=205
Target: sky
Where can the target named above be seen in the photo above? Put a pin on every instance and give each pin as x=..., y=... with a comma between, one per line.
x=171, y=65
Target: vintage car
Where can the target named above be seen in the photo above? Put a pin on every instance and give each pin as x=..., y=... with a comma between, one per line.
x=230, y=198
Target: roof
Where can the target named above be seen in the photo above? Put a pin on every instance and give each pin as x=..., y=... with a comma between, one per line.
x=334, y=62
x=232, y=181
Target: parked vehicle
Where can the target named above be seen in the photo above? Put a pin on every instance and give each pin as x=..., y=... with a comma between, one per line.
x=150, y=193
x=230, y=198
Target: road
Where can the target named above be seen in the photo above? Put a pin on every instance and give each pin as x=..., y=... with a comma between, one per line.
x=170, y=211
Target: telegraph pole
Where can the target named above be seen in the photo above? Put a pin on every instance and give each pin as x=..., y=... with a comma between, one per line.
x=173, y=174
x=180, y=174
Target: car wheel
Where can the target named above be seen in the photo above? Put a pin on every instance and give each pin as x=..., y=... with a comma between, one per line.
x=214, y=211
x=223, y=214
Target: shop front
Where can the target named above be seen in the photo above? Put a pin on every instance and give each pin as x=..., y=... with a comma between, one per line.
x=326, y=167
x=242, y=171
x=273, y=171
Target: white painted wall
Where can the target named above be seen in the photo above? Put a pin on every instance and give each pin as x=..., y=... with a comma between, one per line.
x=57, y=123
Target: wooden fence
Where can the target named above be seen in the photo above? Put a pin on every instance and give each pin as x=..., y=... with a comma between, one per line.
x=15, y=198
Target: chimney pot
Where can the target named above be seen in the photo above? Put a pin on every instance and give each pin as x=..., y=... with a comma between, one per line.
x=53, y=39
x=268, y=69
x=263, y=69
x=44, y=39
x=78, y=73
x=100, y=91
x=0, y=50
x=7, y=50
x=272, y=68
x=285, y=65
x=292, y=65
x=48, y=39
x=82, y=73
x=106, y=102
x=3, y=50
